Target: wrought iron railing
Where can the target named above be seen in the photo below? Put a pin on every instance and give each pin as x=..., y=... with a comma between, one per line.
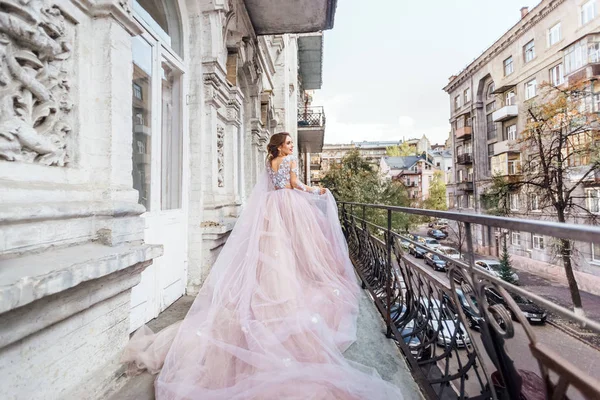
x=311, y=117
x=461, y=331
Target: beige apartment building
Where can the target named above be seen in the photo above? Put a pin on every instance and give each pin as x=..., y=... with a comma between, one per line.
x=556, y=42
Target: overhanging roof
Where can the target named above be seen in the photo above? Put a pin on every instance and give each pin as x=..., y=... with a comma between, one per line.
x=276, y=17
x=310, y=60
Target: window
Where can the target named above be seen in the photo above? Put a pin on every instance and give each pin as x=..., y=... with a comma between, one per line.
x=585, y=51
x=535, y=202
x=538, y=242
x=511, y=132
x=554, y=35
x=459, y=175
x=456, y=102
x=491, y=127
x=530, y=89
x=490, y=156
x=514, y=201
x=459, y=201
x=471, y=202
x=592, y=197
x=516, y=239
x=596, y=252
x=510, y=98
x=588, y=12
x=467, y=95
x=529, y=51
x=490, y=90
x=557, y=75
x=470, y=174
x=508, y=66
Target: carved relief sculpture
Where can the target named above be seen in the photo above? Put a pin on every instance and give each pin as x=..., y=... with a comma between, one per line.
x=220, y=156
x=35, y=104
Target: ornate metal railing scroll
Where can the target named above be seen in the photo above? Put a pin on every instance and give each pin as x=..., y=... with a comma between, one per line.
x=458, y=343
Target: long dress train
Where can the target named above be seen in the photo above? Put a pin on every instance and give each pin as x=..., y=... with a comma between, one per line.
x=273, y=317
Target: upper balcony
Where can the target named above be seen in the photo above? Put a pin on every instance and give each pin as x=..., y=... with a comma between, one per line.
x=464, y=133
x=464, y=158
x=505, y=113
x=276, y=17
x=466, y=185
x=506, y=146
x=311, y=129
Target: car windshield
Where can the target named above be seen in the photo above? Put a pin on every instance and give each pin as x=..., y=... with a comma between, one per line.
x=450, y=251
x=495, y=266
x=432, y=241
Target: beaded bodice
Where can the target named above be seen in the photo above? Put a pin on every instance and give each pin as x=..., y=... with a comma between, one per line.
x=281, y=177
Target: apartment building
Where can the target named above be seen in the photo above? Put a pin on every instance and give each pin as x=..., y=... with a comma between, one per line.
x=555, y=42
x=415, y=172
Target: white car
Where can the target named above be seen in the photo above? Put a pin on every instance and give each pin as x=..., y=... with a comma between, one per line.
x=493, y=267
x=444, y=323
x=449, y=252
x=431, y=243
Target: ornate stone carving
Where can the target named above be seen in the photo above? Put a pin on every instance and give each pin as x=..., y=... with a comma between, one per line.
x=35, y=103
x=220, y=156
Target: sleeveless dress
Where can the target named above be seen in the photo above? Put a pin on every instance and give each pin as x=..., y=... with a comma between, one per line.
x=275, y=314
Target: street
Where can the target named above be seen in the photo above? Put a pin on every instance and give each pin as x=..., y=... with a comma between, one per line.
x=573, y=350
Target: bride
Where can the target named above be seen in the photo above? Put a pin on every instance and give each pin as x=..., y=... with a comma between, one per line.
x=277, y=310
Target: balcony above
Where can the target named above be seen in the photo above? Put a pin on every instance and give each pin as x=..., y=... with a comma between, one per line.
x=506, y=146
x=464, y=132
x=466, y=186
x=311, y=129
x=506, y=112
x=276, y=17
x=310, y=60
x=465, y=158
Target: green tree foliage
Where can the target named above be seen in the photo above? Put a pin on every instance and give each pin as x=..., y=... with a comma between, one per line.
x=506, y=272
x=437, y=193
x=354, y=180
x=402, y=150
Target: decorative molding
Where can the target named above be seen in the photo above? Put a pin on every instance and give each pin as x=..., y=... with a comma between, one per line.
x=220, y=156
x=35, y=92
x=120, y=10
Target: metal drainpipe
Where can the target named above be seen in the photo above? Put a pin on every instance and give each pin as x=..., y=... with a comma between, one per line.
x=474, y=147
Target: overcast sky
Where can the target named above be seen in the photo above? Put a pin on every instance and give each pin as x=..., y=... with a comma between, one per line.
x=386, y=62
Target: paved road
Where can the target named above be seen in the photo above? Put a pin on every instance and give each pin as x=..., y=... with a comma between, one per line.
x=573, y=350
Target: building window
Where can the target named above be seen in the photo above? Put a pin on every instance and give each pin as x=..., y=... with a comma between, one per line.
x=554, y=35
x=511, y=132
x=585, y=51
x=490, y=156
x=471, y=201
x=535, y=202
x=490, y=90
x=491, y=127
x=596, y=252
x=538, y=242
x=529, y=51
x=459, y=200
x=514, y=201
x=508, y=66
x=557, y=75
x=592, y=197
x=456, y=103
x=516, y=239
x=510, y=98
x=530, y=89
x=459, y=175
x=467, y=95
x=588, y=11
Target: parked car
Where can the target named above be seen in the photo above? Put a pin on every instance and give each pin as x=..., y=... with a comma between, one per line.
x=439, y=223
x=449, y=252
x=531, y=311
x=405, y=244
x=418, y=252
x=429, y=242
x=471, y=314
x=418, y=339
x=435, y=261
x=437, y=234
x=444, y=324
x=493, y=267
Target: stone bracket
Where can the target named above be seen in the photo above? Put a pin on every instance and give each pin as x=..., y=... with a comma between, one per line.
x=120, y=10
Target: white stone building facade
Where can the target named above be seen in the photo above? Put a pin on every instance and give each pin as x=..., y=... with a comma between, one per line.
x=130, y=135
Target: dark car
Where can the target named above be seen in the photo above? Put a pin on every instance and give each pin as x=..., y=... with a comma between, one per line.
x=471, y=314
x=418, y=339
x=413, y=250
x=531, y=311
x=437, y=234
x=435, y=261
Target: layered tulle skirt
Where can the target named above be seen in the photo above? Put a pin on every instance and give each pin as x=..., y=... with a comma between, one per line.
x=274, y=316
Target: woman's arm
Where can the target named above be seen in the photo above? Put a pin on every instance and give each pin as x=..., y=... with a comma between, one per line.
x=297, y=183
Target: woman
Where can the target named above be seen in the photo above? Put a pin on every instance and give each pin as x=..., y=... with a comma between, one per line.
x=277, y=310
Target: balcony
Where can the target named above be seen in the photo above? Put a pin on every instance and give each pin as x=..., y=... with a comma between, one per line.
x=311, y=129
x=465, y=158
x=275, y=17
x=455, y=347
x=464, y=133
x=466, y=186
x=505, y=113
x=507, y=146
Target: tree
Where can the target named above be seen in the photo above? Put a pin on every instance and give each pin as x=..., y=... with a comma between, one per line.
x=506, y=272
x=437, y=193
x=561, y=143
x=402, y=150
x=355, y=181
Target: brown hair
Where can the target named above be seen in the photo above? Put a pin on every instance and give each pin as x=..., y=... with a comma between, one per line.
x=276, y=140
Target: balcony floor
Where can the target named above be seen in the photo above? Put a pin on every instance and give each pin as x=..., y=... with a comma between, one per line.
x=372, y=349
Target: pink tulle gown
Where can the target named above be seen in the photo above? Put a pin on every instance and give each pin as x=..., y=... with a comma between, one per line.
x=275, y=314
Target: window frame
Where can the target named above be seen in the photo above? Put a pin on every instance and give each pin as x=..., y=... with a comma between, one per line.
x=584, y=8
x=534, y=203
x=595, y=256
x=517, y=236
x=589, y=198
x=537, y=242
x=508, y=63
x=561, y=70
x=513, y=199
x=550, y=34
x=529, y=51
x=528, y=95
x=508, y=132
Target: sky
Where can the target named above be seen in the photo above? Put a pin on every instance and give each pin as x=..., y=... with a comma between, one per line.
x=385, y=63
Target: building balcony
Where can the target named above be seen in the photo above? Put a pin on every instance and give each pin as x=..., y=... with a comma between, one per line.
x=465, y=158
x=434, y=319
x=507, y=146
x=466, y=186
x=311, y=129
x=464, y=133
x=505, y=113
x=276, y=17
